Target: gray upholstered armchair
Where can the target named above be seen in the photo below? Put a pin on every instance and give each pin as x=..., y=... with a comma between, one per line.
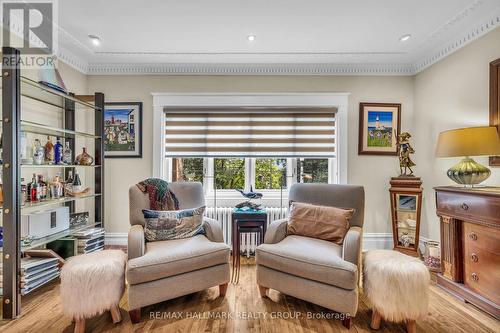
x=162, y=270
x=315, y=270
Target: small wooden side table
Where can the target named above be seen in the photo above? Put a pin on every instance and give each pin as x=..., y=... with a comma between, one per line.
x=245, y=221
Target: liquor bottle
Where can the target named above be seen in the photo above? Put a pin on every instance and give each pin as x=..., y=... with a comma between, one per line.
x=23, y=149
x=58, y=151
x=77, y=183
x=49, y=151
x=43, y=187
x=56, y=188
x=34, y=189
x=38, y=153
x=69, y=182
x=24, y=192
x=67, y=155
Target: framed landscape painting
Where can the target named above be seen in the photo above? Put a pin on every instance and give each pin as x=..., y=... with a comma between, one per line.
x=123, y=129
x=379, y=126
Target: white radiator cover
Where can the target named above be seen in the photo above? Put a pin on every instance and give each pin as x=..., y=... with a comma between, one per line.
x=248, y=241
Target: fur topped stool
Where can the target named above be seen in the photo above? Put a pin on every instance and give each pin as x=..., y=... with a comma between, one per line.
x=397, y=286
x=91, y=284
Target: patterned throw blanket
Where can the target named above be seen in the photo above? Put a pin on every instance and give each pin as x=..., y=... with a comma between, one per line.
x=160, y=197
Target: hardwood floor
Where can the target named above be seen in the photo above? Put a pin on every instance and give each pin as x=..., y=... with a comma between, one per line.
x=248, y=312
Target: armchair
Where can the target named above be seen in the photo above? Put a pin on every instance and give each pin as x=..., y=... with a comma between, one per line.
x=162, y=270
x=315, y=270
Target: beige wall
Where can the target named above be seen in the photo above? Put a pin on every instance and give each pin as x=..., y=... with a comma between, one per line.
x=453, y=93
x=371, y=171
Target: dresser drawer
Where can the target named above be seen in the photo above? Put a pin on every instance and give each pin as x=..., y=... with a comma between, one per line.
x=469, y=206
x=482, y=260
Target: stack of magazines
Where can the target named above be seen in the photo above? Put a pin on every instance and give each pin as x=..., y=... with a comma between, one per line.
x=35, y=272
x=90, y=240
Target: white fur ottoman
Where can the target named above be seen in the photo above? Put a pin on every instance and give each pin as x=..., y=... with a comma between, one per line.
x=91, y=284
x=397, y=286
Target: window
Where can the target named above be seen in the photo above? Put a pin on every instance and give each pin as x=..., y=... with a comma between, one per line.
x=270, y=173
x=229, y=173
x=312, y=170
x=187, y=169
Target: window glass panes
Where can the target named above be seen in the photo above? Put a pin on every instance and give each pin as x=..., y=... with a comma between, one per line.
x=312, y=170
x=270, y=173
x=229, y=173
x=187, y=169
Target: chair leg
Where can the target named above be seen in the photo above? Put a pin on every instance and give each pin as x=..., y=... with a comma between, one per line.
x=79, y=325
x=376, y=318
x=116, y=315
x=347, y=322
x=411, y=326
x=135, y=315
x=263, y=291
x=222, y=290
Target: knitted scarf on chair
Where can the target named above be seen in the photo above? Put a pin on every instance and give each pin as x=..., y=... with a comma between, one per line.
x=160, y=197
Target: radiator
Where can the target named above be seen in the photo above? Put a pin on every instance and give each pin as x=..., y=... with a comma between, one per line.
x=248, y=241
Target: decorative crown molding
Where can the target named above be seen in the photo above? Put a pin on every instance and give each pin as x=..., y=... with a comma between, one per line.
x=250, y=69
x=429, y=56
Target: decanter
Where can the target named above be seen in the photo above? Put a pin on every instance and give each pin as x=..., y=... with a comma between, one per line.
x=84, y=158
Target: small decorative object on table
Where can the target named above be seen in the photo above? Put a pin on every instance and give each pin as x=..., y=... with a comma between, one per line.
x=250, y=195
x=405, y=149
x=432, y=256
x=466, y=142
x=84, y=158
x=406, y=201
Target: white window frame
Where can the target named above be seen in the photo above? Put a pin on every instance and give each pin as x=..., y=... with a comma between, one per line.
x=337, y=166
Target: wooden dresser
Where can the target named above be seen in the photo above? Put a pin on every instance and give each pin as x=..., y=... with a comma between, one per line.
x=470, y=244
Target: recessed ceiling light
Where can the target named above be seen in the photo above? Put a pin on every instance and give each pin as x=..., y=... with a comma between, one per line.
x=251, y=38
x=404, y=38
x=96, y=41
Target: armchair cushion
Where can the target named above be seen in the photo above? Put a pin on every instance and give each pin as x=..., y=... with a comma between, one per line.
x=321, y=222
x=309, y=258
x=173, y=224
x=168, y=258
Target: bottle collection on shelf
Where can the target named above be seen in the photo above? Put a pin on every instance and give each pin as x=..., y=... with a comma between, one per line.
x=51, y=153
x=39, y=189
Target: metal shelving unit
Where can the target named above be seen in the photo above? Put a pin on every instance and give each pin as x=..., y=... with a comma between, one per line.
x=14, y=90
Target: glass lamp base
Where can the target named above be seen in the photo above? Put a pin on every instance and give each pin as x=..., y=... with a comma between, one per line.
x=468, y=172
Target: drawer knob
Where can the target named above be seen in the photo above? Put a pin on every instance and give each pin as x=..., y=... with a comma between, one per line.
x=473, y=236
x=474, y=277
x=465, y=206
x=474, y=257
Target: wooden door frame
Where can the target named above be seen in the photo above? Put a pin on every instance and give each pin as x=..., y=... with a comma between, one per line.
x=495, y=102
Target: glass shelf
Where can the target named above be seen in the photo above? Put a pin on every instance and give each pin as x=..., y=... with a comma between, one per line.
x=68, y=232
x=31, y=127
x=38, y=92
x=58, y=166
x=49, y=202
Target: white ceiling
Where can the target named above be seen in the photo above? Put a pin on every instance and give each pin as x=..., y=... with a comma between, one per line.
x=303, y=37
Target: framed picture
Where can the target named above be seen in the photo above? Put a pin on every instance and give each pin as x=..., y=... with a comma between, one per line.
x=379, y=126
x=495, y=102
x=123, y=129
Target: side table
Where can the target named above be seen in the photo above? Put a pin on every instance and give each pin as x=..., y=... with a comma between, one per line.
x=245, y=221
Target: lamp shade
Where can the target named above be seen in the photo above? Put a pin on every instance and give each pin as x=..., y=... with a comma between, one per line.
x=473, y=141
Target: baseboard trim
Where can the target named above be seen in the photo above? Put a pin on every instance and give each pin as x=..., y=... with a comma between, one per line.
x=371, y=240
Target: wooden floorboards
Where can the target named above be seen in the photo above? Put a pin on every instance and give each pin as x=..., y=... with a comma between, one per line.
x=248, y=312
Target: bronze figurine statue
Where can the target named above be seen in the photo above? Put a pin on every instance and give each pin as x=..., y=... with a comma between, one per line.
x=405, y=149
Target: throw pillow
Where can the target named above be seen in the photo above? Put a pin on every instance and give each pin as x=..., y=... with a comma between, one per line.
x=322, y=222
x=174, y=224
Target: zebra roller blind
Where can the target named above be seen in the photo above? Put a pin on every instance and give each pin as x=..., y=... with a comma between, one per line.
x=284, y=132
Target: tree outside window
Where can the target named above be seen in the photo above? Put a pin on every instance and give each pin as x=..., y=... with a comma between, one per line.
x=312, y=170
x=270, y=173
x=187, y=169
x=229, y=173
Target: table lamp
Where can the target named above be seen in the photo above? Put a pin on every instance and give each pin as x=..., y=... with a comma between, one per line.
x=465, y=142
